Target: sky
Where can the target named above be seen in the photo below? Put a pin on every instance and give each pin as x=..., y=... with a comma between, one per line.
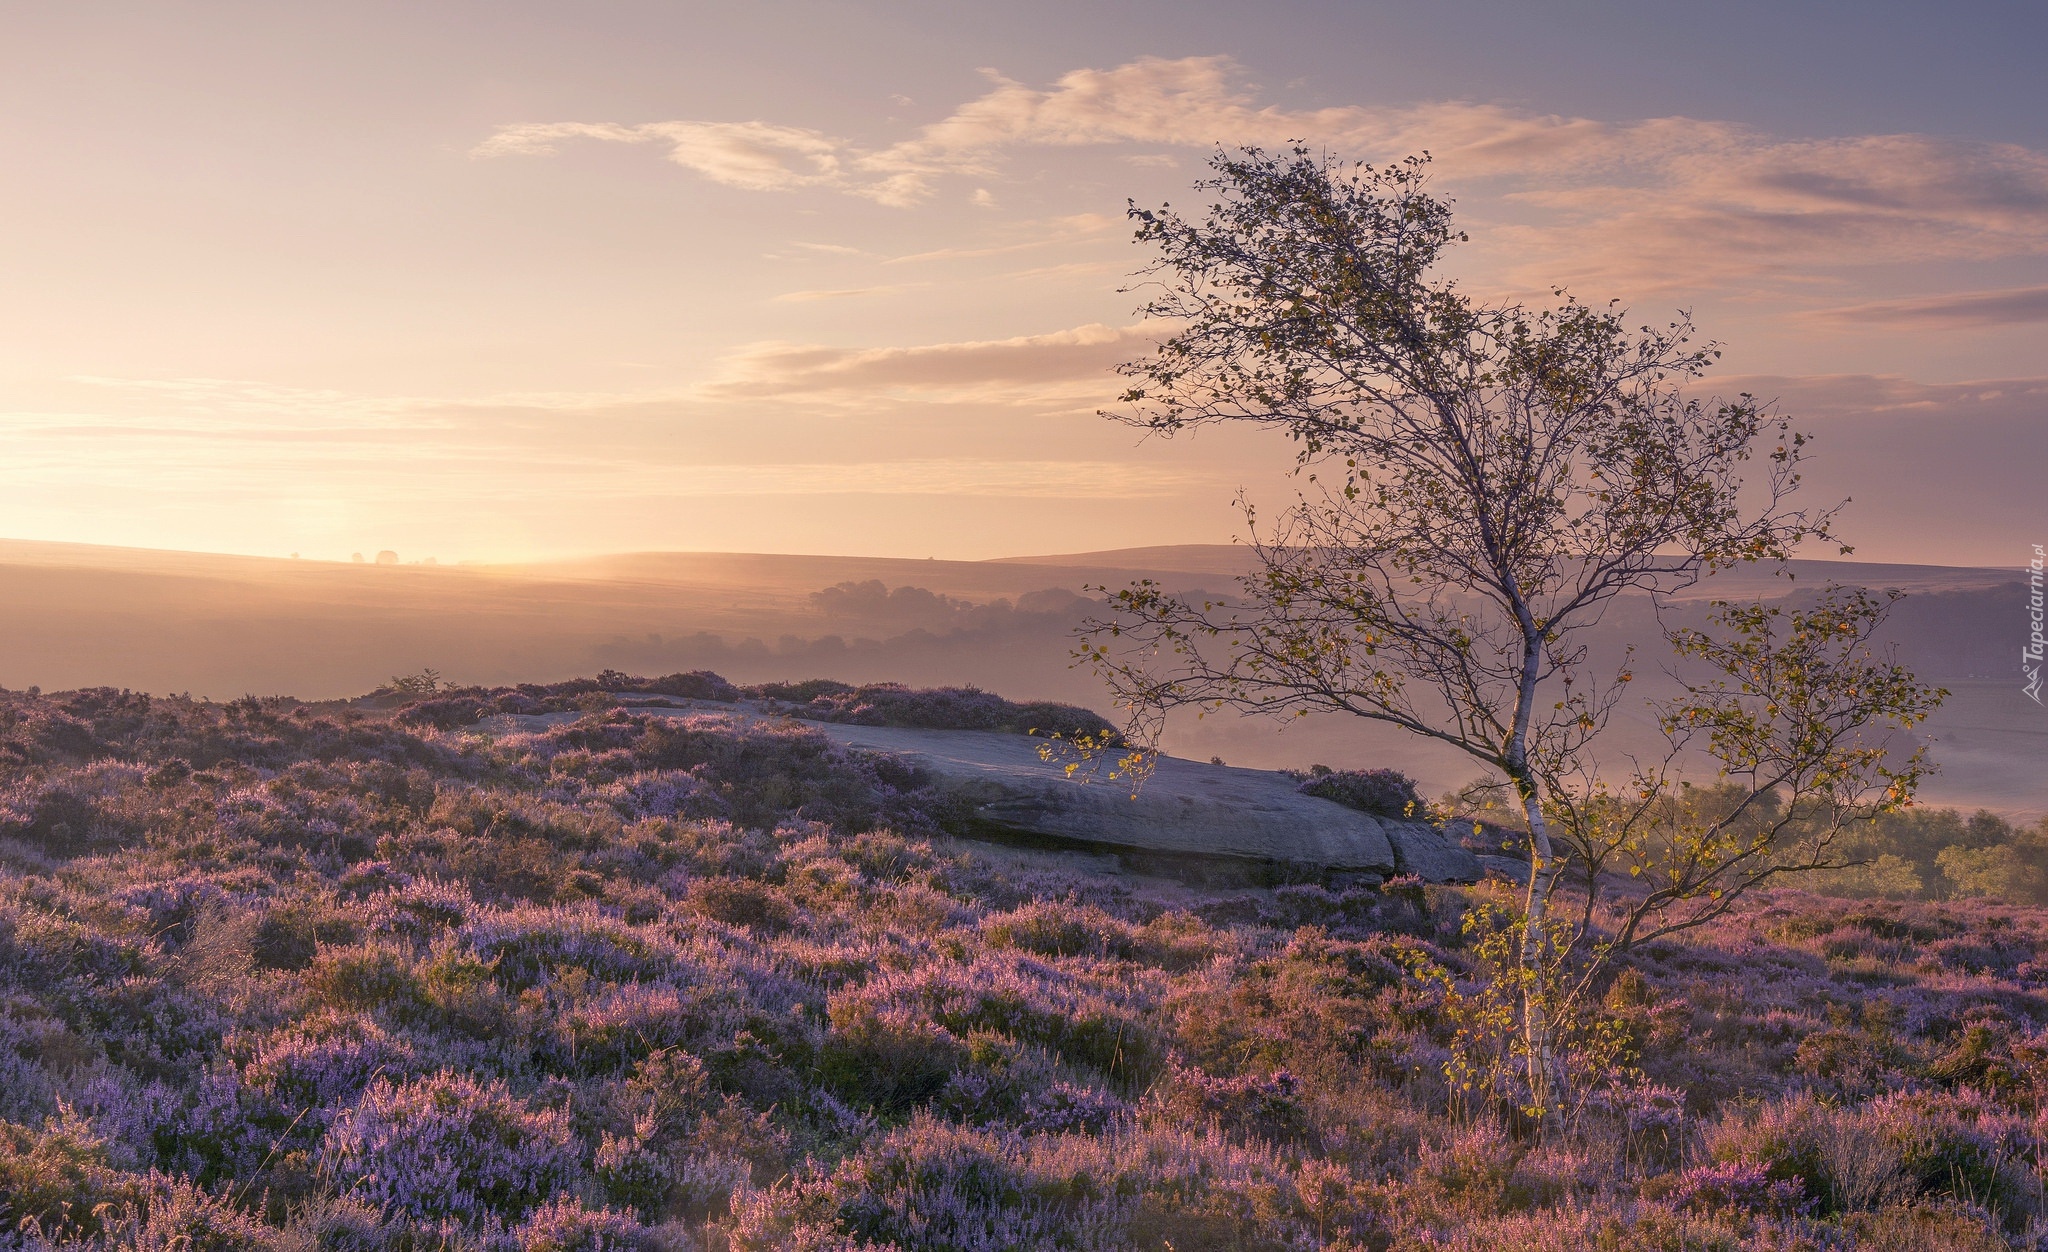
x=507, y=280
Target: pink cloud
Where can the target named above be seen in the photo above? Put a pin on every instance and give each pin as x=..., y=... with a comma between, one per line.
x=1643, y=206
x=1062, y=367
x=2014, y=306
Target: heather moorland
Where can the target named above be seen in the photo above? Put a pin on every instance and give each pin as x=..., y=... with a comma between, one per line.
x=1170, y=626
x=362, y=976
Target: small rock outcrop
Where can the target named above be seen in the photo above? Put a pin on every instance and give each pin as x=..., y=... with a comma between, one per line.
x=1188, y=815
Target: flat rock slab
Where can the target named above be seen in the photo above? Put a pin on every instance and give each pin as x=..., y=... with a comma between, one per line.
x=1186, y=809
x=1188, y=814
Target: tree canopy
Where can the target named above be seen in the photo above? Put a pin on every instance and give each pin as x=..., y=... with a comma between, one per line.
x=1479, y=481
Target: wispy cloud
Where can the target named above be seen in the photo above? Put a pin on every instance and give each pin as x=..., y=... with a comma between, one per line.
x=401, y=465
x=758, y=156
x=844, y=293
x=1862, y=395
x=1666, y=201
x=230, y=437
x=2013, y=306
x=1061, y=367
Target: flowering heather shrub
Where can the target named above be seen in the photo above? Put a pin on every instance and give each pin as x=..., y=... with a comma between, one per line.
x=933, y=1186
x=363, y=976
x=1002, y=1083
x=31, y=1042
x=453, y=708
x=1741, y=1186
x=59, y=1178
x=68, y=812
x=563, y=1224
x=1383, y=792
x=419, y=909
x=704, y=1185
x=524, y=946
x=445, y=713
x=1059, y=928
x=1900, y=1147
x=1264, y=1107
x=338, y=1224
x=169, y=1214
x=742, y=902
x=205, y=1131
x=1065, y=1107
x=325, y=977
x=626, y=1023
x=890, y=1060
x=173, y=902
x=450, y=1146
x=633, y=1175
x=316, y=1067
x=1961, y=1145
x=1479, y=1171
x=755, y=773
x=698, y=684
x=934, y=708
x=659, y=793
x=1023, y=1000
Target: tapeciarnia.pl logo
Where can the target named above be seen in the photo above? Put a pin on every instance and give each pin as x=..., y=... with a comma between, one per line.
x=2031, y=655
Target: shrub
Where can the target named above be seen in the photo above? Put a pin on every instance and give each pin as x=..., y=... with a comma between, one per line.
x=1477, y=1171
x=1927, y=1228
x=1022, y=1000
x=332, y=1223
x=1265, y=1107
x=889, y=1060
x=804, y=692
x=698, y=684
x=936, y=708
x=171, y=1215
x=444, y=713
x=323, y=1062
x=1381, y=792
x=69, y=812
x=932, y=1186
x=1058, y=928
x=363, y=976
x=1960, y=1146
x=563, y=1224
x=58, y=1180
x=739, y=902
x=624, y=1024
x=290, y=934
x=450, y=1146
x=632, y=1174
x=523, y=946
x=1738, y=1186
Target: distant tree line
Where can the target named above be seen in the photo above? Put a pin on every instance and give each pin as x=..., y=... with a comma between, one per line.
x=1941, y=854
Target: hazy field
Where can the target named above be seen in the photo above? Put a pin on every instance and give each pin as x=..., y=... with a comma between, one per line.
x=221, y=626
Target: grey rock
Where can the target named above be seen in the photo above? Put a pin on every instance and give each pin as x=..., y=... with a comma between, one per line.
x=1212, y=822
x=1511, y=868
x=1186, y=809
x=1465, y=832
x=1422, y=850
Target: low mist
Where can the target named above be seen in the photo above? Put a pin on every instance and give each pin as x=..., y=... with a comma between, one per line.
x=221, y=627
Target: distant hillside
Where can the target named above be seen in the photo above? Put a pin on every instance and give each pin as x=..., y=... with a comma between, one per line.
x=75, y=615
